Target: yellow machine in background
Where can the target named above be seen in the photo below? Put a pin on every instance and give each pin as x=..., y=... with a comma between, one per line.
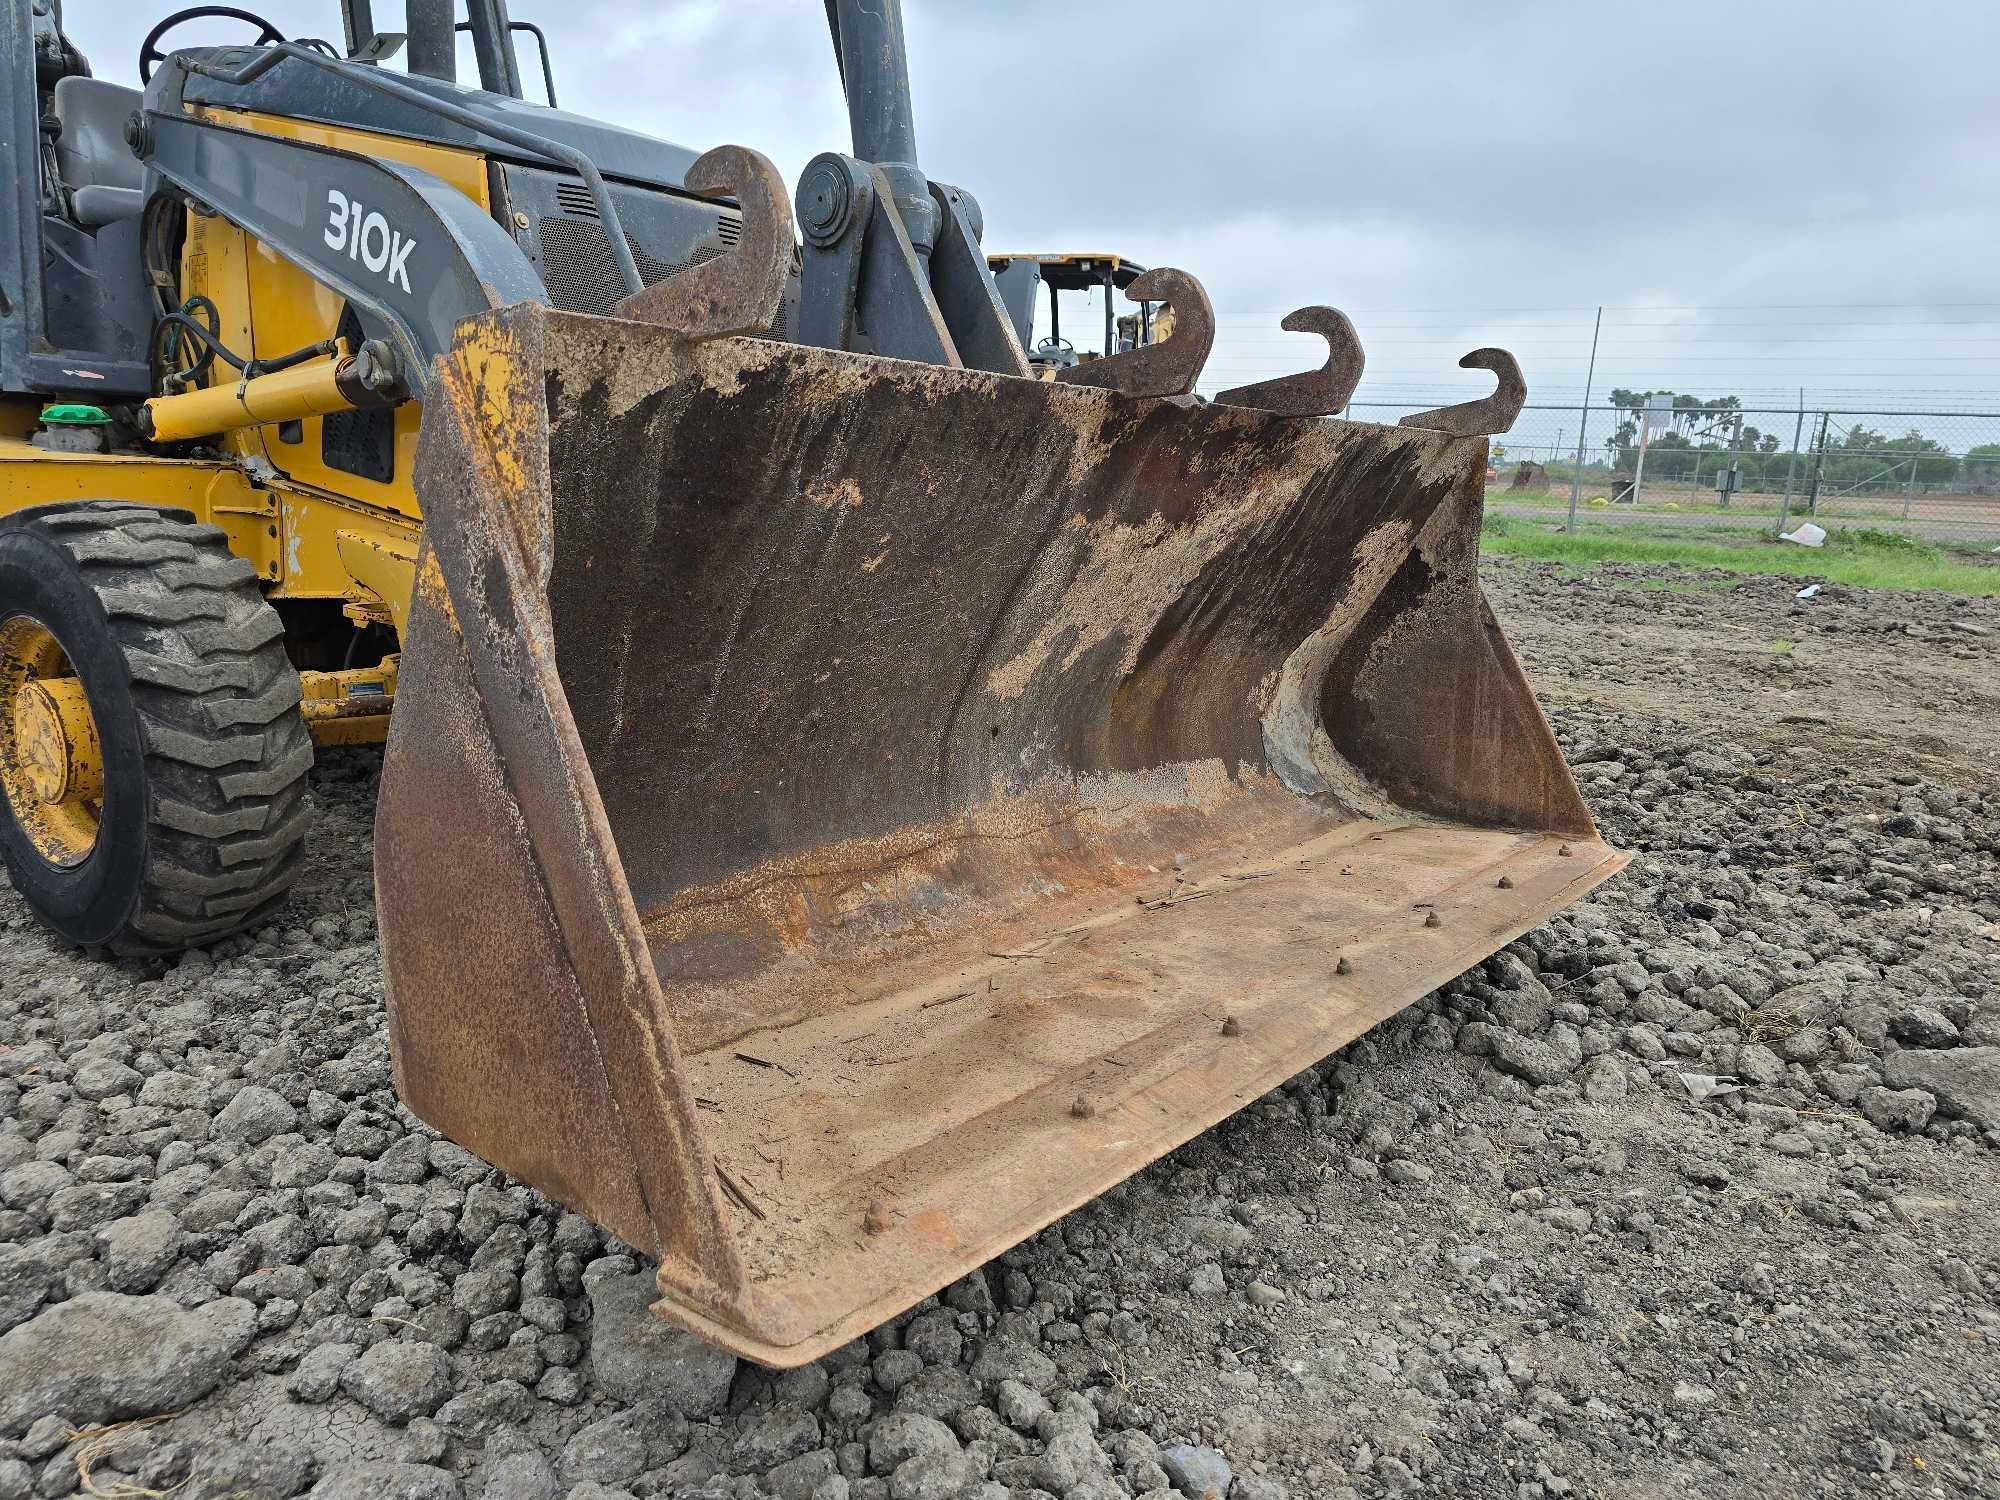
x=1021, y=276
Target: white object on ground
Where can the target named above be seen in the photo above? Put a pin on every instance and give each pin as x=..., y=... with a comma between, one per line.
x=1808, y=535
x=1702, y=1086
x=1810, y=591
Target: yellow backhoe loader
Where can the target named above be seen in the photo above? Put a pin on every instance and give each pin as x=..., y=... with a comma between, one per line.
x=1022, y=278
x=846, y=801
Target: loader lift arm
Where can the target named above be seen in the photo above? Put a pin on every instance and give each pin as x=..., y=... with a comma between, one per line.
x=892, y=261
x=412, y=253
x=443, y=260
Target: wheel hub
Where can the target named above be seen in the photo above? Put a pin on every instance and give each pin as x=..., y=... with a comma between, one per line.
x=51, y=762
x=56, y=739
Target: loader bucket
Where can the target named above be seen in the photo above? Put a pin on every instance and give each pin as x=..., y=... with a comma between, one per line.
x=842, y=814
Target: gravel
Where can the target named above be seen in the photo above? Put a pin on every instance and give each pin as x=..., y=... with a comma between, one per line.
x=1497, y=1248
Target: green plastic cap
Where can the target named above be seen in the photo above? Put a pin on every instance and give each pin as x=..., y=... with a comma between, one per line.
x=75, y=414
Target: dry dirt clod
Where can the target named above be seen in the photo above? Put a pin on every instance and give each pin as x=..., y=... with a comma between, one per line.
x=1232, y=1027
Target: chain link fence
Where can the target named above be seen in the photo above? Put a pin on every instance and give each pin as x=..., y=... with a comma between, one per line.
x=1934, y=475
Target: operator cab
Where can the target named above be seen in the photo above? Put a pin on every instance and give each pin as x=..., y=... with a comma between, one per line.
x=79, y=209
x=89, y=174
x=92, y=177
x=93, y=237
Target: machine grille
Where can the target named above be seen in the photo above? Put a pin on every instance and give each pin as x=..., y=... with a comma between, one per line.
x=574, y=198
x=582, y=276
x=580, y=271
x=561, y=230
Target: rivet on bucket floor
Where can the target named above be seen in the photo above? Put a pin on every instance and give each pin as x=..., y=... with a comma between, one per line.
x=1232, y=1027
x=1505, y=883
x=1432, y=919
x=1082, y=1108
x=1343, y=967
x=876, y=1220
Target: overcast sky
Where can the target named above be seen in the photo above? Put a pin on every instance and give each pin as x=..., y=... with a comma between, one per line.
x=1761, y=195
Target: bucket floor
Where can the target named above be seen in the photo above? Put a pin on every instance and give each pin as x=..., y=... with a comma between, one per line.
x=976, y=1091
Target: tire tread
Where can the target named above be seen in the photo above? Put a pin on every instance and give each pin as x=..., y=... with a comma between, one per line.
x=226, y=749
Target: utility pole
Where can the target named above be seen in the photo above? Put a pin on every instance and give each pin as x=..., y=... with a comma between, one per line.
x=1819, y=465
x=1792, y=468
x=1583, y=422
x=1646, y=416
x=1735, y=448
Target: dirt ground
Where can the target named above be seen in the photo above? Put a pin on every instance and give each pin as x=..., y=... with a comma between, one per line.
x=1692, y=1192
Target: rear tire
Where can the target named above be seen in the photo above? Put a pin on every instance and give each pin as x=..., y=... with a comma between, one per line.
x=182, y=661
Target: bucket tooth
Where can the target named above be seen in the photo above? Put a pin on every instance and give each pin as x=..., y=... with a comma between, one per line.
x=1489, y=416
x=1324, y=392
x=843, y=813
x=742, y=289
x=1169, y=367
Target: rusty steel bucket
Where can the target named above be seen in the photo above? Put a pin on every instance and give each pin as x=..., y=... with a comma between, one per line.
x=842, y=813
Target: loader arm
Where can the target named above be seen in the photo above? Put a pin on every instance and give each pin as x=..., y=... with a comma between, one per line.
x=891, y=260
x=411, y=253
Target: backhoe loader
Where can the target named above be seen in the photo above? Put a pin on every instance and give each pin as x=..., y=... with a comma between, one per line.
x=846, y=802
x=1021, y=279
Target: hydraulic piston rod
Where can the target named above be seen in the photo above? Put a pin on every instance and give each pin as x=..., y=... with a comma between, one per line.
x=340, y=383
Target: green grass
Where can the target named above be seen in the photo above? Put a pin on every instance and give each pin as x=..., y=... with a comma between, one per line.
x=1866, y=559
x=1533, y=502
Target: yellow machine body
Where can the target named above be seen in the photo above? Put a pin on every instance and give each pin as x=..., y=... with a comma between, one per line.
x=310, y=530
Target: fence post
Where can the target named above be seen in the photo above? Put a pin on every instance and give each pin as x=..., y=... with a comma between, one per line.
x=1583, y=422
x=1909, y=489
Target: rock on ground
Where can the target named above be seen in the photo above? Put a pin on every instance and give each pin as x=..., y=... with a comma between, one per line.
x=399, y=1381
x=104, y=1356
x=390, y=1481
x=1964, y=1080
x=634, y=1354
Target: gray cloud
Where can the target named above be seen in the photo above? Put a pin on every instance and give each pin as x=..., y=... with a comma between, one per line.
x=1452, y=173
